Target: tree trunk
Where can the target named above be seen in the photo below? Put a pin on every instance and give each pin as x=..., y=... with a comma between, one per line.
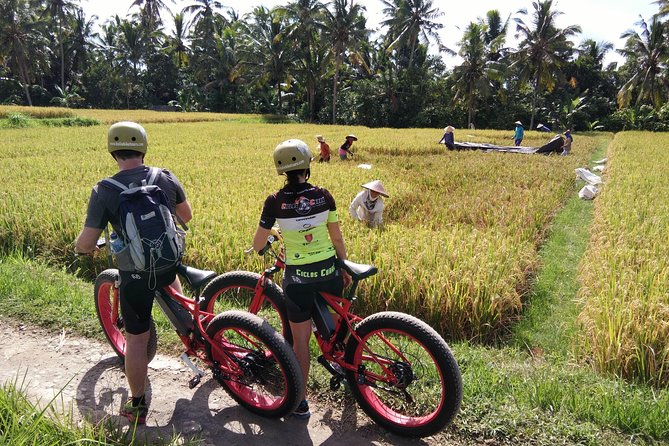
x=534, y=100
x=470, y=110
x=62, y=53
x=278, y=92
x=25, y=82
x=311, y=92
x=413, y=49
x=334, y=90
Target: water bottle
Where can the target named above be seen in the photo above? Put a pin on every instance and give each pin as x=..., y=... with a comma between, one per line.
x=116, y=243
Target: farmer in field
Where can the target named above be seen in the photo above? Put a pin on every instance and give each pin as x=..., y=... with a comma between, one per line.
x=324, y=149
x=449, y=138
x=345, y=149
x=307, y=217
x=568, y=139
x=368, y=205
x=127, y=144
x=519, y=133
x=543, y=128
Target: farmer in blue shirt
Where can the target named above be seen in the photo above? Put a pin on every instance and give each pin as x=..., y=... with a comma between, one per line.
x=448, y=138
x=568, y=139
x=519, y=134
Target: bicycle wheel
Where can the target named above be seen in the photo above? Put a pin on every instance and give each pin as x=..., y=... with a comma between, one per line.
x=406, y=378
x=235, y=290
x=108, y=310
x=254, y=364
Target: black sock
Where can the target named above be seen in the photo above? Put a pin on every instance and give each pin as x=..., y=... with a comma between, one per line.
x=137, y=400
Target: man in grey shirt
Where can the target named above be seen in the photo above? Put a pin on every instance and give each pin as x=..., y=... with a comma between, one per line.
x=127, y=143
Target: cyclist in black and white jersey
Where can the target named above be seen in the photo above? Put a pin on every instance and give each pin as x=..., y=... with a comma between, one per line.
x=307, y=216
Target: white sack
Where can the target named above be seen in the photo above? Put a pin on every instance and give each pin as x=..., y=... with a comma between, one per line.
x=588, y=192
x=587, y=176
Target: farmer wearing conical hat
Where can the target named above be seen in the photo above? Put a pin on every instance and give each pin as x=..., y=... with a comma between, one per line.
x=449, y=137
x=323, y=149
x=345, y=149
x=368, y=205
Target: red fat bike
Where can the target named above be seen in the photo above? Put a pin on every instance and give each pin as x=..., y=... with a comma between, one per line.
x=399, y=369
x=247, y=357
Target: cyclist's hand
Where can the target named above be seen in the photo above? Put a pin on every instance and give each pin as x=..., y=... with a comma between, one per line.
x=91, y=253
x=347, y=277
x=276, y=232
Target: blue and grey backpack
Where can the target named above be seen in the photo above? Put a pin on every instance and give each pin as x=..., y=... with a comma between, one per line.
x=152, y=241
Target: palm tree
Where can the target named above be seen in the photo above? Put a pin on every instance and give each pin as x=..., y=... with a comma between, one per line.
x=663, y=7
x=58, y=10
x=543, y=48
x=472, y=78
x=23, y=47
x=494, y=34
x=131, y=46
x=595, y=51
x=344, y=27
x=106, y=40
x=649, y=52
x=205, y=21
x=411, y=20
x=82, y=35
x=204, y=14
x=266, y=51
x=150, y=13
x=177, y=41
x=304, y=17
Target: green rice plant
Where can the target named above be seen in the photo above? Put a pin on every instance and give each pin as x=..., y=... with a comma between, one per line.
x=625, y=272
x=458, y=248
x=18, y=120
x=69, y=122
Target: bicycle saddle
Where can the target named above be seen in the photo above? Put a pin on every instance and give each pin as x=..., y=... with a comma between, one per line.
x=358, y=271
x=196, y=278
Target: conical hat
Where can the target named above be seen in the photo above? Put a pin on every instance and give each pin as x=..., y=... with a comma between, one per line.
x=376, y=186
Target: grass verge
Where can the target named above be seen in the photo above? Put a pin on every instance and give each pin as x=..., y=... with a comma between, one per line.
x=23, y=422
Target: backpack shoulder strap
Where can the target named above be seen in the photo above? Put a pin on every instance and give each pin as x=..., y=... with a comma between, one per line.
x=154, y=174
x=114, y=184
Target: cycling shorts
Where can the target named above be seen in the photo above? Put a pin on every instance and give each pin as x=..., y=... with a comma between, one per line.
x=137, y=298
x=300, y=297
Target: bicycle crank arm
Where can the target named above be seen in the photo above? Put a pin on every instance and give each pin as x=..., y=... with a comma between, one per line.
x=195, y=380
x=334, y=368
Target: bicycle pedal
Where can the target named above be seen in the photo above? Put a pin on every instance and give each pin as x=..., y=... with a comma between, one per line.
x=335, y=383
x=194, y=381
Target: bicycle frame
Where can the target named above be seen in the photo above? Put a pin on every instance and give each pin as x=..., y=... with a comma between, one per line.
x=196, y=339
x=332, y=346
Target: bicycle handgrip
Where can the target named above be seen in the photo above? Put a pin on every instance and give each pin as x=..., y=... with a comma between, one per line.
x=267, y=246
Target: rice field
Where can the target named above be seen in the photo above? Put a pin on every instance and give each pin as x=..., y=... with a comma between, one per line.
x=625, y=271
x=458, y=249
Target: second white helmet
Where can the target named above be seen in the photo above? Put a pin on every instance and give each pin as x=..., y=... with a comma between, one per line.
x=292, y=154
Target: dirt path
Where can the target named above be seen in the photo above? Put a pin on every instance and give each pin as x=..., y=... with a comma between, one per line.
x=90, y=381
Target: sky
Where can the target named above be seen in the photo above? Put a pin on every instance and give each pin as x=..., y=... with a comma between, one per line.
x=601, y=20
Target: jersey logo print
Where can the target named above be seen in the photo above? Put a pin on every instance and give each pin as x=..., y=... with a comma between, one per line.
x=303, y=205
x=308, y=237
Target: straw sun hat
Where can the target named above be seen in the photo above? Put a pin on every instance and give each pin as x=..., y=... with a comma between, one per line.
x=320, y=138
x=377, y=187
